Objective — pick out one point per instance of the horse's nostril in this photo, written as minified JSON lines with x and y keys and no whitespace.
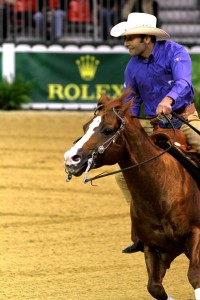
{"x":76,"y":158}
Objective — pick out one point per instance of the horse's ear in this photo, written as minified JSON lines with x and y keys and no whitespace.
{"x":101,"y":103}
{"x":103,"y":100}
{"x":119,"y":102}
{"x":127,"y":106}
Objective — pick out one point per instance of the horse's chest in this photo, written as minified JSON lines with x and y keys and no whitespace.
{"x":153,"y":228}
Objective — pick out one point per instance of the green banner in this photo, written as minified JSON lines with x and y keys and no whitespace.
{"x":73,"y":78}
{"x":80,"y":78}
{"x":195,"y":69}
{"x":1,"y":65}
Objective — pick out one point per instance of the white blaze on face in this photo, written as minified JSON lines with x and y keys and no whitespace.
{"x":73,"y":151}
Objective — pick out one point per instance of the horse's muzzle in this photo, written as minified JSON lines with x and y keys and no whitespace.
{"x":76,"y":164}
{"x":76,"y":170}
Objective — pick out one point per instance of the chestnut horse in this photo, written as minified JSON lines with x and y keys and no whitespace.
{"x":165,"y":208}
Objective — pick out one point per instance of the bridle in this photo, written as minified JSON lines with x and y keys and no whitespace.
{"x":112,"y":139}
{"x":101,"y":149}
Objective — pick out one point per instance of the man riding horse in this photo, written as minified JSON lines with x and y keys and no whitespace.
{"x":159,"y":72}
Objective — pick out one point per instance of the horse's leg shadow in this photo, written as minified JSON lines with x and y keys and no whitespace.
{"x":157,"y":263}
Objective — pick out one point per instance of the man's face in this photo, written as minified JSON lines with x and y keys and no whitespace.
{"x":135,"y":44}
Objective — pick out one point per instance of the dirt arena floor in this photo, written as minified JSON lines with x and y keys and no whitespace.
{"x":63,"y":241}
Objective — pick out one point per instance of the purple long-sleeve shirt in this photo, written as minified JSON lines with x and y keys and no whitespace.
{"x":167,"y":72}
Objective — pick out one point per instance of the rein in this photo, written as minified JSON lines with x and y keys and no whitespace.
{"x":184,"y":121}
{"x":102,"y":148}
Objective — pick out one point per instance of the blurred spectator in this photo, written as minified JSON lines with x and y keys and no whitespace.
{"x":6,"y":12}
{"x":23,"y":14}
{"x":49,"y":19}
{"x":109,"y":13}
{"x":80,"y":11}
{"x":144,"y":6}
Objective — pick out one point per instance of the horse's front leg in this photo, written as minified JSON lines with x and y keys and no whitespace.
{"x":157,"y":264}
{"x":194,"y":257}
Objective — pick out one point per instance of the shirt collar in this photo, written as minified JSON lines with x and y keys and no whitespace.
{"x":153,"y":56}
{"x":150,"y":59}
{"x":155,"y":51}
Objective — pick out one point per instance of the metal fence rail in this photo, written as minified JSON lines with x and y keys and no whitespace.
{"x":90,"y":21}
{"x":60,"y":21}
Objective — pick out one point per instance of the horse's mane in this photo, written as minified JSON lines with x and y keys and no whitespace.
{"x":108,"y":103}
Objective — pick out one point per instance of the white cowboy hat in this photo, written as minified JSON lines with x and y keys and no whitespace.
{"x":139,"y":23}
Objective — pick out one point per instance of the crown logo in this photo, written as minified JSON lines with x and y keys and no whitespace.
{"x":87,"y":66}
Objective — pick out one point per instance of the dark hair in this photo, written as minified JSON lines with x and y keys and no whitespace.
{"x":153,"y":37}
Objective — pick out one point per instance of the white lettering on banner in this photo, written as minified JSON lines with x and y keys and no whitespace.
{"x":82,"y":92}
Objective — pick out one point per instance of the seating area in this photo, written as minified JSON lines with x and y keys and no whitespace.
{"x":177,"y":4}
{"x":181,"y":19}
{"x":83,"y":21}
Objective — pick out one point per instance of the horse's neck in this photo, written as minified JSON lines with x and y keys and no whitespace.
{"x":139,"y":146}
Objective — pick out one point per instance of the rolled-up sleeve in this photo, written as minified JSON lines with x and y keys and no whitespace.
{"x":181,"y":66}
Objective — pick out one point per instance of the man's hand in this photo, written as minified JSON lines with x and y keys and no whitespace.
{"x":165,"y":106}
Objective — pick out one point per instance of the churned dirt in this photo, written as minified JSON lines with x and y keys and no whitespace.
{"x":63,"y":241}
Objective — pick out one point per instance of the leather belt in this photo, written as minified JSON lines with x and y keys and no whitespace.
{"x":186,"y":111}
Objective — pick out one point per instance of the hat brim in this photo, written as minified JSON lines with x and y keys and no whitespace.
{"x":121,"y":30}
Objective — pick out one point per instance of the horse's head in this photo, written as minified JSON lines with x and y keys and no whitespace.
{"x":102,"y":142}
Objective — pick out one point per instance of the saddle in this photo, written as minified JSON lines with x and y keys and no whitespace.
{"x":188,"y":157}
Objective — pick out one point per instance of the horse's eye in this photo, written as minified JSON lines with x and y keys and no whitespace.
{"x":107,"y":131}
